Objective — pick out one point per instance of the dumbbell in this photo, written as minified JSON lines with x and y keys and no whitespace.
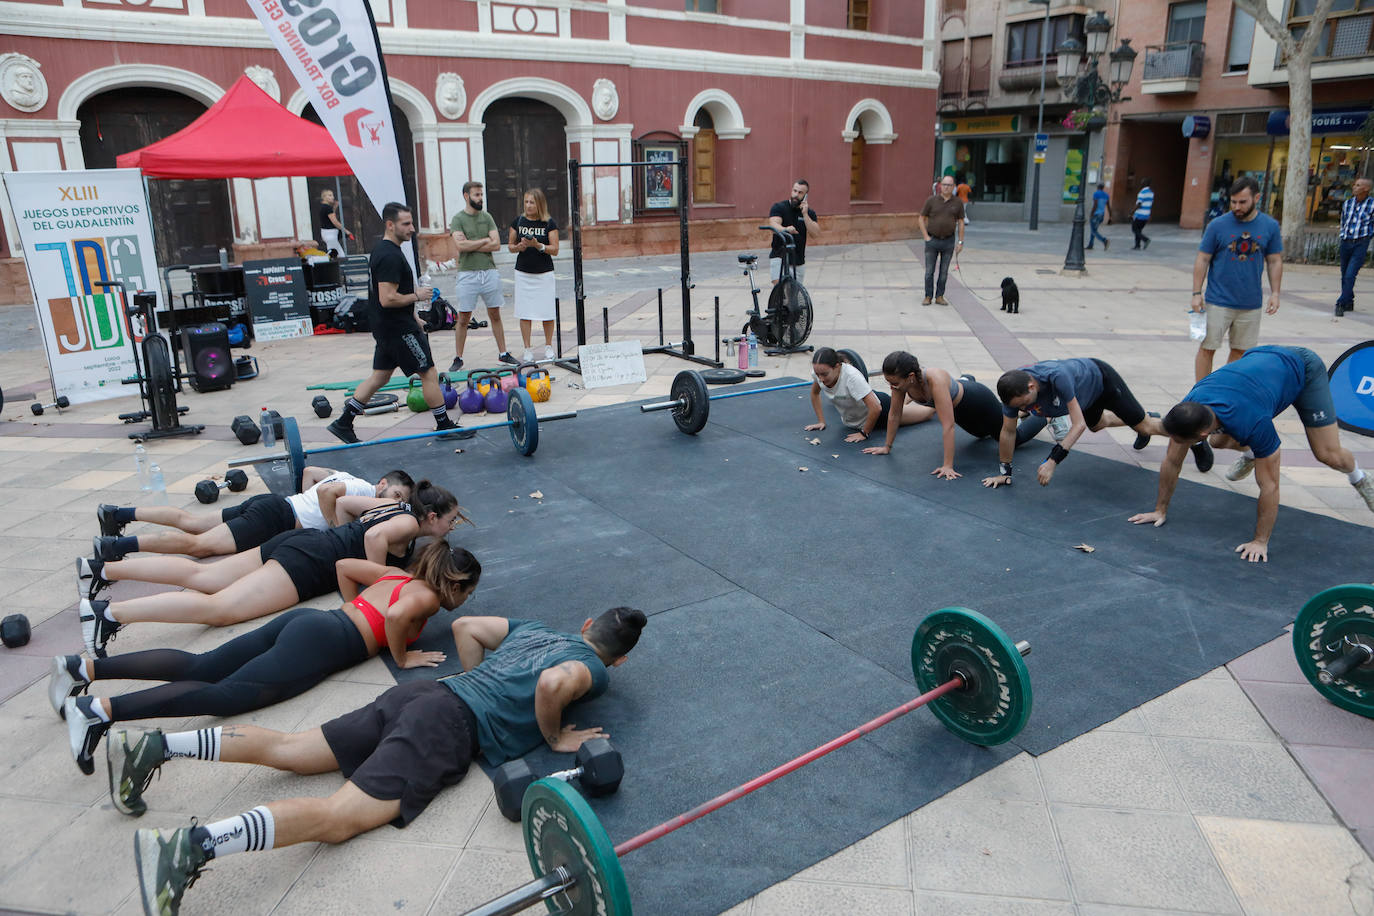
{"x":599,"y":771}
{"x":15,"y":632}
{"x":246,"y":430}
{"x":61,"y":403}
{"x":322,"y":406}
{"x":207,"y":491}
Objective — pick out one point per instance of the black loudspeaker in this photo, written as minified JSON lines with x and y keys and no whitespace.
{"x":205,"y":348}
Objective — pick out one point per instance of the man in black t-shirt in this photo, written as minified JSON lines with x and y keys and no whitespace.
{"x":400,"y":344}
{"x":794,"y":217}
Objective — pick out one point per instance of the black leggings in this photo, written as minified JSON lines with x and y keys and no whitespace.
{"x":277,"y":661}
{"x":979,"y":414}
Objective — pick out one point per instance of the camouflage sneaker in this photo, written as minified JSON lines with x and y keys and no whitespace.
{"x":131,"y":769}
{"x":1241,"y":469}
{"x":166,"y":868}
{"x":1366,"y":489}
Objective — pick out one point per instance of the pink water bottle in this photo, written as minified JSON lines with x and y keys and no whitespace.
{"x":743,"y":353}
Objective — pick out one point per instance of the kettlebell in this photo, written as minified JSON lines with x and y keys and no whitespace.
{"x":539,"y":385}
{"x":415,"y":398}
{"x":450,"y":393}
{"x":497,"y":399}
{"x":471,"y":400}
{"x":509,"y":379}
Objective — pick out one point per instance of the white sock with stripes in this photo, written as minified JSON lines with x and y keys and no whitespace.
{"x":253,"y":831}
{"x":202,"y":744}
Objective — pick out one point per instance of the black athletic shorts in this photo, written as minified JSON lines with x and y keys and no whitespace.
{"x":407,"y":350}
{"x":408,"y":744}
{"x":256,"y":519}
{"x":1115,"y":397}
{"x":307,"y":555}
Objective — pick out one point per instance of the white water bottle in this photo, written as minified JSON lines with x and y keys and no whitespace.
{"x":753,"y":351}
{"x":157,"y":485}
{"x":141,"y":465}
{"x":269,"y":436}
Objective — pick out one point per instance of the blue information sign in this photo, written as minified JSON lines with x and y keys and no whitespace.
{"x":1042,"y":143}
{"x":1352,"y":388}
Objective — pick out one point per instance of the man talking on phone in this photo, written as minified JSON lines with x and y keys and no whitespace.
{"x":795,"y":218}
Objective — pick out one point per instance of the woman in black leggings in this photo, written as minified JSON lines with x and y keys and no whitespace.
{"x":293,"y":566}
{"x":384,"y":610}
{"x":961,"y":401}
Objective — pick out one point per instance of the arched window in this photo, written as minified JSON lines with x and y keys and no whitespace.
{"x":704,"y":159}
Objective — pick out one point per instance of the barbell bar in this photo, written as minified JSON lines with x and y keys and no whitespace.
{"x":691,"y":404}
{"x":521,"y":419}
{"x":971,"y":675}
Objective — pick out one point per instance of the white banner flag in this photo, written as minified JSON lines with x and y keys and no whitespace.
{"x":332,"y":50}
{"x":78,"y":228}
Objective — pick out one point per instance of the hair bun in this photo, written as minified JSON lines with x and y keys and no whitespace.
{"x":423,"y":484}
{"x":633,"y":617}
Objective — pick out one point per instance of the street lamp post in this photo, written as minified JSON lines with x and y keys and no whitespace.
{"x":1088,"y":89}
{"x":1040,"y":114}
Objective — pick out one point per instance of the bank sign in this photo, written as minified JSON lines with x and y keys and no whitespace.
{"x":77,"y":229}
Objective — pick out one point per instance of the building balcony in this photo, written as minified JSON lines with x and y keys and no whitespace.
{"x":1172,"y":68}
{"x":1023,"y":78}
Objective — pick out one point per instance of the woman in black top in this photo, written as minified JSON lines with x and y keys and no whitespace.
{"x":534,"y":239}
{"x":293,"y":566}
{"x":330,"y":227}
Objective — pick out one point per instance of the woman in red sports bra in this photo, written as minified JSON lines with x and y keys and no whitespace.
{"x":277,"y":661}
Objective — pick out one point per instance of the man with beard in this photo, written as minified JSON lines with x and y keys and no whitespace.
{"x":797,"y":219}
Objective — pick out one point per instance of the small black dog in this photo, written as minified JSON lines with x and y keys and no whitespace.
{"x":1011,"y":296}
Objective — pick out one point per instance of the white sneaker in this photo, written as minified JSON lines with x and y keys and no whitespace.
{"x":1059,"y":427}
{"x":1242,"y":468}
{"x":1366,"y":489}
{"x":528,"y":356}
{"x":548,"y":351}
{"x":62,"y":684}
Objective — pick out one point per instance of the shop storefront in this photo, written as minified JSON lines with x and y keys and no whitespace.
{"x":993,"y":154}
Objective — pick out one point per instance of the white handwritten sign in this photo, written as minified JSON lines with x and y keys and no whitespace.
{"x":606,"y":364}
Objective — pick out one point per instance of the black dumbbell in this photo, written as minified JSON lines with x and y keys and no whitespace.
{"x":61,"y":403}
{"x":322,"y":406}
{"x":599,"y":771}
{"x":15,"y":631}
{"x":245,"y":430}
{"x":207,"y":491}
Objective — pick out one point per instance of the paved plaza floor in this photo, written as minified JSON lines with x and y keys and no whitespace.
{"x":1240,"y":792}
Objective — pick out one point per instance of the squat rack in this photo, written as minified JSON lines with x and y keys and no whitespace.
{"x":687,"y":348}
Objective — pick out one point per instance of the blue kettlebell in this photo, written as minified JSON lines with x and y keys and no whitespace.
{"x":449,"y":392}
{"x":471,"y":400}
{"x":497,"y":398}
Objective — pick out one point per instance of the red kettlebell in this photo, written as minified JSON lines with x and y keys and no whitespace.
{"x":510,"y":379}
{"x":471,"y":400}
{"x":497,"y":399}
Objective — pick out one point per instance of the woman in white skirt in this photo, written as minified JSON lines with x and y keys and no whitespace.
{"x":534,"y":239}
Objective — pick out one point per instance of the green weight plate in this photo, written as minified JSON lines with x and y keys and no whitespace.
{"x":690,"y":389}
{"x":1327,"y":619}
{"x":995,"y":703}
{"x":524,"y":425}
{"x":561,"y":829}
{"x":295,"y":454}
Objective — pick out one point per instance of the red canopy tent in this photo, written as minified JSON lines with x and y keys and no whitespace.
{"x":244,"y":135}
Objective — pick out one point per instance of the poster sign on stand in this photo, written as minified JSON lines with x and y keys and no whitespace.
{"x":277,"y":298}
{"x":78,"y":228}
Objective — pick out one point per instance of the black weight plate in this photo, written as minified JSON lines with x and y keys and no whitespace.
{"x":1325,"y":620}
{"x":995,"y":702}
{"x":381,"y":399}
{"x":690,"y":389}
{"x":855,"y":360}
{"x":524,"y":424}
{"x":295,"y":454}
{"x":755,"y":373}
{"x":561,"y":830}
{"x":722,"y":376}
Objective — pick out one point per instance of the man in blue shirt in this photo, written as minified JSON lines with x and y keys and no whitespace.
{"x":1357,"y":227}
{"x":1236,"y":249}
{"x":1087,"y":391}
{"x":397,"y":753}
{"x":1235,"y":407}
{"x":1144,"y":203}
{"x":1102,"y":210}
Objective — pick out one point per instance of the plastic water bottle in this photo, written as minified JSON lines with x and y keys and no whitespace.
{"x":268,"y":431}
{"x":1197,"y":325}
{"x":753,"y":351}
{"x":223,"y":259}
{"x":157,"y":485}
{"x":141,"y":466}
{"x":743,"y":352}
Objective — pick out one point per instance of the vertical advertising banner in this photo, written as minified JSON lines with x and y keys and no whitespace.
{"x":78,"y":228}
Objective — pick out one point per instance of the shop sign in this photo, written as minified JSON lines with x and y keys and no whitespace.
{"x":1323,"y":122}
{"x":1004,"y":124}
{"x":1197,"y":126}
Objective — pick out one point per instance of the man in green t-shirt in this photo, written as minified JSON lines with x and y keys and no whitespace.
{"x":475,"y":236}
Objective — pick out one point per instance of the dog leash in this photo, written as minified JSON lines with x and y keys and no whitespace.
{"x":968,"y":288}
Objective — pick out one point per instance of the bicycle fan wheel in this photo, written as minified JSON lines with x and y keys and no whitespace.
{"x":789,"y":306}
{"x":160,"y":383}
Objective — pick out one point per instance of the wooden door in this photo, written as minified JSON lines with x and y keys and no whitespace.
{"x":526,"y":147}
{"x":704,"y":166}
{"x":191,"y":219}
{"x":856,"y":167}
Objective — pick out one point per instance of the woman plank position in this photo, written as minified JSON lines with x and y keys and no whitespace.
{"x":860,"y":407}
{"x":279,"y":660}
{"x":245,"y":526}
{"x":502,"y":706}
{"x":291,"y":567}
{"x":961,"y":401}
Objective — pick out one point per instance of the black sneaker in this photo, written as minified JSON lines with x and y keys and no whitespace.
{"x":474,"y":324}
{"x":1147,"y":243}
{"x":103,"y":548}
{"x":1341,"y":310}
{"x":96,"y":629}
{"x":968,"y":377}
{"x":343,"y":430}
{"x":507,"y":358}
{"x":452,"y":430}
{"x":167,"y":867}
{"x":1143,"y":439}
{"x":456,"y":364}
{"x":131,"y":769}
{"x":1106,"y":243}
{"x":65,"y":680}
{"x":84,"y":730}
{"x":105,"y":515}
{"x":1202,"y":455}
